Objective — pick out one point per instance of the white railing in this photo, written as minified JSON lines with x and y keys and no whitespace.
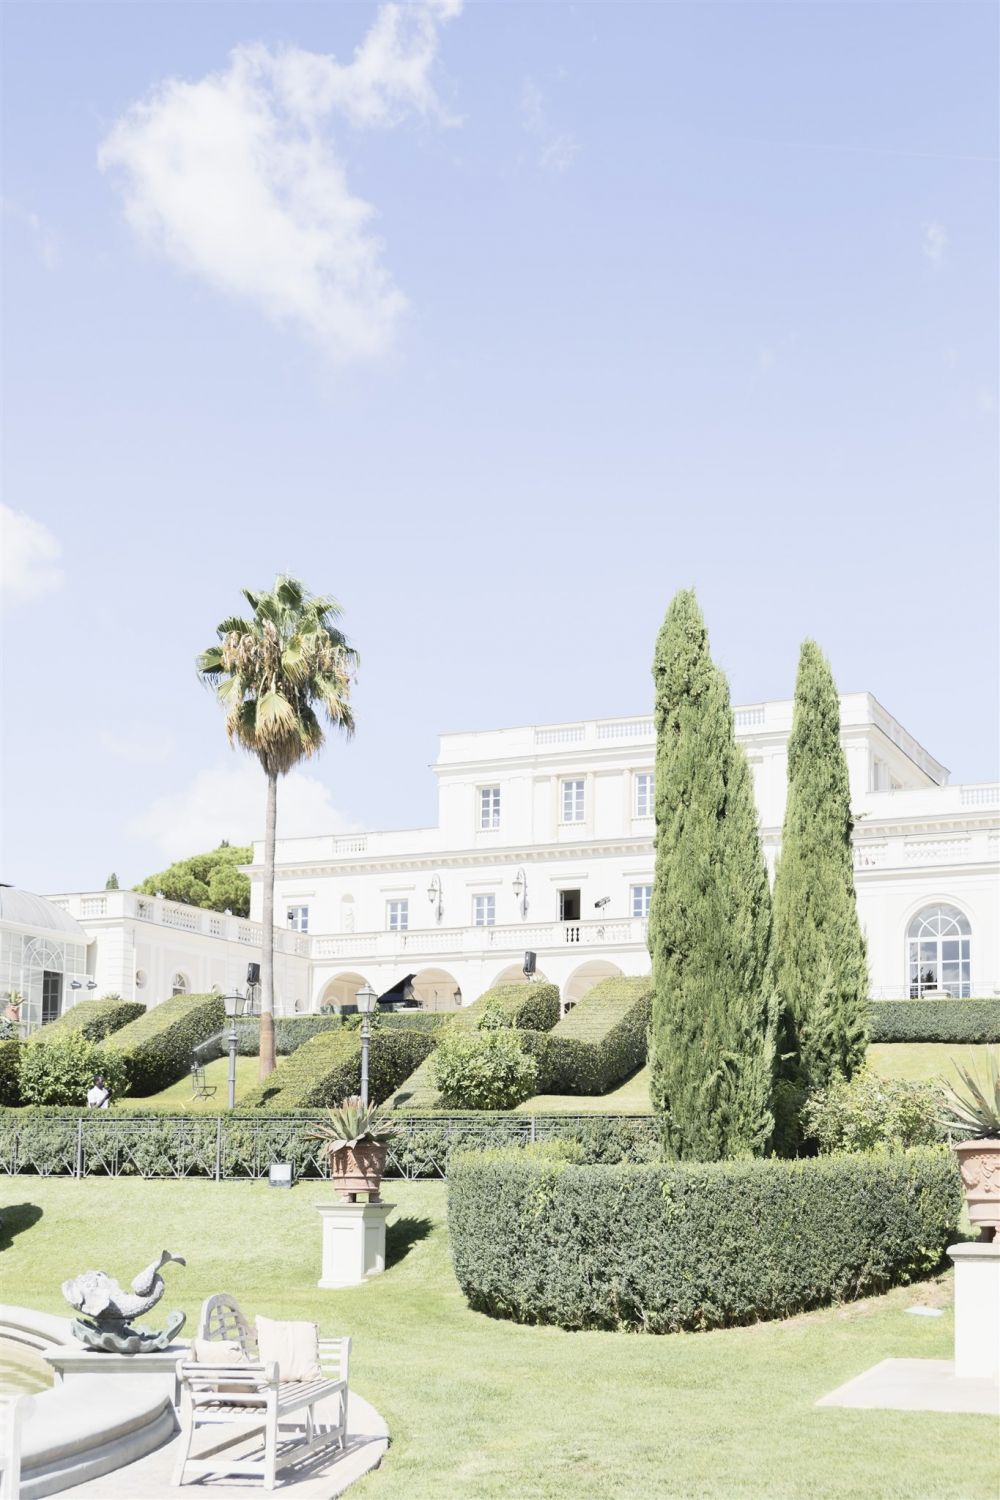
{"x":350,"y":843}
{"x":981,"y":796}
{"x":749,"y":718}
{"x":185,"y":917}
{"x":634,"y":729}
{"x":456,"y":941}
{"x":569,"y":734}
{"x":94,"y":906}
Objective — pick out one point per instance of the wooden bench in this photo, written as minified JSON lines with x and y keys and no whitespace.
{"x":253,"y":1397}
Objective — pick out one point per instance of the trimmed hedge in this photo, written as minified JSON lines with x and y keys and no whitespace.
{"x":10,"y":1091}
{"x":327,"y":1068}
{"x":529,"y":1007}
{"x":934,"y":1021}
{"x":291,"y":1031}
{"x":601,"y":1042}
{"x":158,"y":1045}
{"x":95,"y":1018}
{"x":539,"y":1239}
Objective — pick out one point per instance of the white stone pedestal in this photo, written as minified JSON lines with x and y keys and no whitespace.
{"x":155,"y":1370}
{"x":353,"y":1242}
{"x":977,"y":1310}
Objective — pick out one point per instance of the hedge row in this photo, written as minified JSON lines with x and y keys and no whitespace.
{"x":934,"y":1021}
{"x":327,"y":1068}
{"x":601,"y":1042}
{"x":156,"y":1144}
{"x":540,"y":1239}
{"x":159,"y":1044}
{"x":10,"y":1092}
{"x":96,"y":1019}
{"x":291,"y":1031}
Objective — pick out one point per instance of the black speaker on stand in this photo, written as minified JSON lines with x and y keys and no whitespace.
{"x":529,"y":965}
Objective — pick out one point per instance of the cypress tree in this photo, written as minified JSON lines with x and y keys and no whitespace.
{"x":818,"y":962}
{"x":712,"y":1036}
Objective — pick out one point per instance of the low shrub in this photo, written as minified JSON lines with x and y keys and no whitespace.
{"x":690,"y":1246}
{"x":61,"y":1068}
{"x":327,"y":1068}
{"x":934,"y":1021}
{"x":95,"y":1019}
{"x":870,"y":1113}
{"x":488,"y":1069}
{"x":10,"y":1092}
{"x":158,"y":1046}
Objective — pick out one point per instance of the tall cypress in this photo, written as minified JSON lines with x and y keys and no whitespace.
{"x":712,"y":1037}
{"x":818,"y":961}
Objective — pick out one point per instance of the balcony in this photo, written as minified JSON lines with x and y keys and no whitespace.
{"x":458,"y":942}
{"x":104,"y":906}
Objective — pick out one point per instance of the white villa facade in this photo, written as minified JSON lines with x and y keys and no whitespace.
{"x":544,"y":843}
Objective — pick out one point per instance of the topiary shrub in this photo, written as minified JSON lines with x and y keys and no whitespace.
{"x":692,"y":1245}
{"x":327,"y":1068}
{"x":934,"y":1021}
{"x":871,"y":1113}
{"x":60,"y":1069}
{"x":158,"y":1046}
{"x":95,"y":1019}
{"x":289,"y":1032}
{"x":489,"y":1069}
{"x":531,"y":1007}
{"x":10,"y":1092}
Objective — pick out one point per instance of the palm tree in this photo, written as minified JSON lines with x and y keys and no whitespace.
{"x":271,"y":673}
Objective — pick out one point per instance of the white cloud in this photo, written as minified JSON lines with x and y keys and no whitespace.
{"x":236,"y":179}
{"x":29,"y":558}
{"x":559,"y":148}
{"x":44,"y":240}
{"x":228,"y":803}
{"x":935,"y":243}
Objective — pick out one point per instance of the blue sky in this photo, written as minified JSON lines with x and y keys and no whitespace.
{"x":500,"y":331}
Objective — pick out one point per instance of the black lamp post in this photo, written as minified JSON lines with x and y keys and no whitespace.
{"x":234,"y":1003}
{"x":366,"y":1000}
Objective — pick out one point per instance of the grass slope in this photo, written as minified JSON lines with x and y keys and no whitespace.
{"x":927,"y":1062}
{"x":179,"y":1095}
{"x":488,"y":1410}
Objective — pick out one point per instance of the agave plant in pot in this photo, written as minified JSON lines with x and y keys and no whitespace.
{"x":356,"y":1136}
{"x":974,"y":1115}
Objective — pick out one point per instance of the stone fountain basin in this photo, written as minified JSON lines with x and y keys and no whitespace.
{"x":87,"y":1426}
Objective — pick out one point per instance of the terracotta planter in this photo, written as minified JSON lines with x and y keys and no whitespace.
{"x":358,"y":1169}
{"x":979,"y":1163}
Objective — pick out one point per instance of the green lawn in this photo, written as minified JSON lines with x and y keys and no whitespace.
{"x":926,"y":1062}
{"x":630,"y":1098}
{"x":179,"y":1095}
{"x":486,"y":1410}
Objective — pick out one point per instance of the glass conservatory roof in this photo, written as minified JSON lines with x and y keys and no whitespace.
{"x":22,"y":909}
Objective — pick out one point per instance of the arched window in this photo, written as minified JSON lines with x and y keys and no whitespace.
{"x":179,"y":984}
{"x":939,"y":952}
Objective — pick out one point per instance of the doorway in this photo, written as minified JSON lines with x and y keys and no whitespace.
{"x":51,"y":996}
{"x":569,"y":906}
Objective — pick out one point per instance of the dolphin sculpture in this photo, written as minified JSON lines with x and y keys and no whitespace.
{"x":99,"y":1298}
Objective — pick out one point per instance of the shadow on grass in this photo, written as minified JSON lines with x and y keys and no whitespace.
{"x":401,"y":1236}
{"x":14,"y":1219}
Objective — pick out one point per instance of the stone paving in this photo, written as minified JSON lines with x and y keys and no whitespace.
{"x":318,"y":1477}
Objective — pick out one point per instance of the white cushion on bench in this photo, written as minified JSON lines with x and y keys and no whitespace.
{"x":293,"y":1346}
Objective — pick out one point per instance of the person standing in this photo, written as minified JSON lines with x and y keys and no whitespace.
{"x":98,"y":1095}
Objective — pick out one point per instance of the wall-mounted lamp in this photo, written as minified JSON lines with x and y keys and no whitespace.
{"x":435,"y":896}
{"x":457,"y":996}
{"x":520,"y":883}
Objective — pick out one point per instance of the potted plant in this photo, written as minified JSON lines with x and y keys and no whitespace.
{"x":974,"y":1113}
{"x":356,"y":1137}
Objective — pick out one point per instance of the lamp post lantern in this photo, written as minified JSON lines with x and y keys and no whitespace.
{"x":367,"y":1000}
{"x":520,"y":884}
{"x":234,"y":1003}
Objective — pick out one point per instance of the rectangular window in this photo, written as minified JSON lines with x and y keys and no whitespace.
{"x":397,"y":915}
{"x":484,"y":910}
{"x":489,"y":807}
{"x":572,"y":801}
{"x":51,"y":996}
{"x":569,"y":906}
{"x":644,"y":794}
{"x":642,"y":895}
{"x":297,"y":918}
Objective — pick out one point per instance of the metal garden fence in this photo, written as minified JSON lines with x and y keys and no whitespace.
{"x":227,"y":1147}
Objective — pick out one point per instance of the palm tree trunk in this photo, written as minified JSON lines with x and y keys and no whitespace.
{"x":267,"y":937}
